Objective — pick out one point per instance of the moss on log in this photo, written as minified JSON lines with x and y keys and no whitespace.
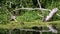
{"x":13,"y":24}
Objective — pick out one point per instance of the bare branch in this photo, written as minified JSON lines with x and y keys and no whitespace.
{"x":53,"y":12}
{"x":31,"y":9}
{"x":39,"y":4}
{"x":52,"y":29}
{"x":35,"y":30}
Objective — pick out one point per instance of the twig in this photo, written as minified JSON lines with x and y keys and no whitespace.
{"x":58,"y":15}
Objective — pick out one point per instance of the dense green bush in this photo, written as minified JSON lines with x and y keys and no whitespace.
{"x":4,"y":16}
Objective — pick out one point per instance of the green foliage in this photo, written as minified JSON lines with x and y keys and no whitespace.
{"x":28,"y":16}
{"x":4,"y":16}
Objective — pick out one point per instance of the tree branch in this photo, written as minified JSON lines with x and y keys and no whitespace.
{"x":31,"y":9}
{"x":52,"y":29}
{"x":51,"y":14}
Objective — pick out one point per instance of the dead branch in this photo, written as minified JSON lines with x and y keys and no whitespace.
{"x":52,"y":29}
{"x":31,"y":9}
{"x":35,"y":30}
{"x":39,"y":4}
{"x":51,"y":14}
{"x":47,"y":18}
